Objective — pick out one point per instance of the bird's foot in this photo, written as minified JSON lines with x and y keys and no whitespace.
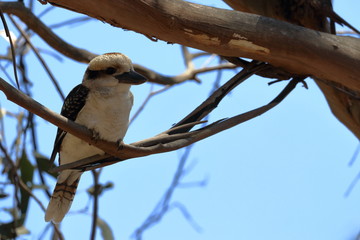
{"x":120,"y":144}
{"x":95,"y":135}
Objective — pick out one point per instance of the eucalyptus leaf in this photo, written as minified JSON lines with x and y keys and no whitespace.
{"x":106,"y":231}
{"x":3,"y":195}
{"x":44,"y":164}
{"x":12,"y":229}
{"x":102,"y":188}
{"x":27,"y":173}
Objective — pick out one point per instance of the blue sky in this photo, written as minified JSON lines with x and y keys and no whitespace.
{"x":280,"y":176}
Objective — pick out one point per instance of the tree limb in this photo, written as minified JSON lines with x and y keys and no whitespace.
{"x":344,"y":102}
{"x":84,"y":56}
{"x":231,"y":33}
{"x":164,"y":142}
{"x":291,"y":49}
{"x":18,"y":9}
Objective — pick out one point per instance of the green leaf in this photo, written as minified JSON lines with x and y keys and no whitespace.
{"x":3,"y":195}
{"x":21,"y":230}
{"x":26,"y":169}
{"x":7,"y":231}
{"x":26,"y":174}
{"x":106,"y":231}
{"x":44,"y":165}
{"x":12,"y":229}
{"x":102,"y":188}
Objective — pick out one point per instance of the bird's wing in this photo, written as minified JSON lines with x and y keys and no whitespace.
{"x":73,"y":104}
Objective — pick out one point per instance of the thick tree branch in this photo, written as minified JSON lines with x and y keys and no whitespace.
{"x":344,"y":102}
{"x":81,"y":55}
{"x":333,"y":60}
{"x":165,"y":142}
{"x":230,"y":33}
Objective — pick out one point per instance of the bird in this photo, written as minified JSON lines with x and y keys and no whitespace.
{"x":102,"y":103}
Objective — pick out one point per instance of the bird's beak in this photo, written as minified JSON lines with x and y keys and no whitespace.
{"x":131,"y":77}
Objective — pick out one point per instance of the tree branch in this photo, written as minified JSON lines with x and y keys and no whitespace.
{"x":25,"y":15}
{"x":81,"y":55}
{"x":290,"y":49}
{"x":42,"y":61}
{"x":164,"y":142}
{"x":343,"y":101}
{"x":96,"y":175}
{"x":231,"y":33}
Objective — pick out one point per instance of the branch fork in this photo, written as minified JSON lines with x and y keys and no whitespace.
{"x":179,"y":136}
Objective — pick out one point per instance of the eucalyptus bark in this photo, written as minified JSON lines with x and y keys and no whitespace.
{"x":298,"y":50}
{"x":231,"y":33}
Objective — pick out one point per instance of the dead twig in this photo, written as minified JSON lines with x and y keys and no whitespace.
{"x":155,"y":77}
{"x":42,"y":61}
{"x":160,"y":143}
{"x":175,"y":140}
{"x":165,"y":203}
{"x":84,"y":56}
{"x":72,"y":21}
{"x":147,"y":99}
{"x":18,"y":182}
{"x":33,"y":22}
{"x":11,"y":47}
{"x":96,"y":175}
{"x":212,"y":102}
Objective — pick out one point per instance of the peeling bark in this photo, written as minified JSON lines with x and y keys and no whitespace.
{"x":230,"y":33}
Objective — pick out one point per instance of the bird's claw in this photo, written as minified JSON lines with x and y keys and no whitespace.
{"x":120,"y":144}
{"x":95,"y":135}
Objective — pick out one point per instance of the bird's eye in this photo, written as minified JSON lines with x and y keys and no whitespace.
{"x":110,"y":70}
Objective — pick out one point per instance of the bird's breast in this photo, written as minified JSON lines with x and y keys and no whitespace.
{"x":108,"y":116}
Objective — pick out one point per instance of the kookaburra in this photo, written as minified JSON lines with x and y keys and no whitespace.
{"x":102,"y":103}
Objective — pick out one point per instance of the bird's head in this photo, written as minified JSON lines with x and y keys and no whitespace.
{"x":111,"y":70}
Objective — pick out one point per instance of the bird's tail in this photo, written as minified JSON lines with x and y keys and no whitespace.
{"x":62,"y":196}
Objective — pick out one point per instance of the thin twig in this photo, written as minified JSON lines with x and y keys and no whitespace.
{"x":71,"y":21}
{"x":147,"y":99}
{"x":159,"y":144}
{"x":270,"y":72}
{"x":354,"y":156}
{"x":18,"y":182}
{"x":347,"y":32}
{"x":212,"y":102}
{"x":12,"y":171}
{"x":187,"y":57}
{"x":96,"y":175}
{"x":11,"y":46}
{"x":42,"y":61}
{"x":186,"y":214}
{"x":33,"y":22}
{"x":84,"y":56}
{"x":164,"y":204}
{"x":188,"y":74}
{"x":352,"y":185}
{"x":7,"y":75}
{"x":179,"y":140}
{"x":46,"y":11}
{"x":357,"y":177}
